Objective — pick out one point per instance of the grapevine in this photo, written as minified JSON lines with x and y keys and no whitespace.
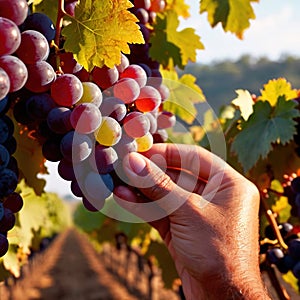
{"x":84,"y":93}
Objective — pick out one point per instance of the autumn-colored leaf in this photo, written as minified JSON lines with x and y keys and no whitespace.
{"x":179,"y":6}
{"x":276,"y":88}
{"x":244,"y":102}
{"x":100,"y":31}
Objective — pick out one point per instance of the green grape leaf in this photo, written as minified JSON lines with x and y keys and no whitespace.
{"x":234,"y":15}
{"x":276,"y":88}
{"x":30,"y":158}
{"x":184,"y":93}
{"x":11,"y":261}
{"x":167,"y":43}
{"x":100,"y":31}
{"x":265,"y":127}
{"x":32,"y":217}
{"x":244,"y":102}
{"x":179,"y":6}
{"x":49,"y":7}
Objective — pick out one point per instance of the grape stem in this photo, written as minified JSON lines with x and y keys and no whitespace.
{"x":60,"y":14}
{"x":272,"y":221}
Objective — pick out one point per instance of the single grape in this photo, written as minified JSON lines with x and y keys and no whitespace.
{"x":285,"y":228}
{"x":91,"y":94}
{"x":136,"y":124}
{"x":105,"y":77}
{"x":103,"y":159}
{"x":164,"y":92}
{"x":86,"y":118}
{"x":113,"y":107}
{"x":11,"y":145}
{"x":4,"y":157}
{"x":165,"y":119}
{"x":76,"y":147}
{"x":109,"y":132}
{"x":4,"y":84}
{"x":14,"y":202}
{"x":142,"y":15}
{"x":68,"y":64}
{"x":90,"y":207}
{"x":157,"y":5}
{"x":126,"y":89}
{"x":41,"y":23}
{"x":8,"y":220}
{"x":34,"y":47}
{"x":296,"y":270}
{"x":10,"y":37}
{"x":294,"y":248}
{"x":124,"y":63}
{"x":3,"y":245}
{"x":144,"y":143}
{"x":16,"y":71}
{"x":15,"y":10}
{"x":145,"y":4}
{"x":76,"y":190}
{"x":41,"y":76}
{"x":295,"y":185}
{"x":70,"y":7}
{"x":4,"y":131}
{"x":39,"y":105}
{"x":58,"y":120}
{"x":135,"y":72}
{"x":65,"y":170}
{"x":98,"y":186}
{"x":51,"y":149}
{"x":126,"y":145}
{"x":4,"y":105}
{"x":153,"y":122}
{"x":148,"y":100}
{"x":13,"y":166}
{"x":274,"y":255}
{"x":66,"y":90}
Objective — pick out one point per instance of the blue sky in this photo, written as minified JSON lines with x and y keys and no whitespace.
{"x":274,"y":32}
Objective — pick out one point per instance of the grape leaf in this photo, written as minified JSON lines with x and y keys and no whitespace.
{"x":100,"y":31}
{"x":168,"y":43}
{"x":291,"y":279}
{"x":179,"y":6}
{"x":264,"y":127}
{"x":183,"y":94}
{"x":11,"y":262}
{"x":245,"y":103}
{"x":275,"y":88}
{"x":234,"y":15}
{"x":30,"y":158}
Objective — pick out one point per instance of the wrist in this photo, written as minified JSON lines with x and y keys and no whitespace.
{"x":243,"y":287}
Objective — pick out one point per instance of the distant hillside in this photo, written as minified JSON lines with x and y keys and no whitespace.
{"x":220,"y":80}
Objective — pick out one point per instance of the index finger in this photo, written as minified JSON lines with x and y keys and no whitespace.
{"x":194,"y":159}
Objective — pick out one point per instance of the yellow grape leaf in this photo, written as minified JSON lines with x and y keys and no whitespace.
{"x":179,"y":6}
{"x":245,"y":103}
{"x":183,"y":94}
{"x":276,"y":88}
{"x":234,"y":15}
{"x":291,"y":279}
{"x":100,"y":31}
{"x":48,"y":7}
{"x":11,"y":262}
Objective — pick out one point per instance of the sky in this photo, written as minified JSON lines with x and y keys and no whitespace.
{"x":274,"y":33}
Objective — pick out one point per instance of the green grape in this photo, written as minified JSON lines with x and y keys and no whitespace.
{"x":144,"y":143}
{"x":109,"y":132}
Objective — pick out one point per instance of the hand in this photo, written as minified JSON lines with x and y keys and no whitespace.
{"x":208,"y":218}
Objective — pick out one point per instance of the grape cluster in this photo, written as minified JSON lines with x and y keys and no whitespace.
{"x":285,"y":260}
{"x":86,"y":121}
{"x":292,"y":192}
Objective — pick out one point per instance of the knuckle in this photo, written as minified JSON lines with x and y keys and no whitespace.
{"x":162,"y":185}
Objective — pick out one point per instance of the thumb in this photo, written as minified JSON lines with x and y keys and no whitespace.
{"x":153,"y":182}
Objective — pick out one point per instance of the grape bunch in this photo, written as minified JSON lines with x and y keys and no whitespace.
{"x":284,"y":259}
{"x":13,"y":76}
{"x":86,"y":121}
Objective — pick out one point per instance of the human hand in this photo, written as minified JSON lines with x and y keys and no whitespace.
{"x":207,"y":214}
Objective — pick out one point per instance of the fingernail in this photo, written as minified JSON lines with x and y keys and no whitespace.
{"x":136,"y":163}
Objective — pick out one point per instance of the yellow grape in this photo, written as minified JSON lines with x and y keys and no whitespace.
{"x":109,"y":132}
{"x":144,"y":143}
